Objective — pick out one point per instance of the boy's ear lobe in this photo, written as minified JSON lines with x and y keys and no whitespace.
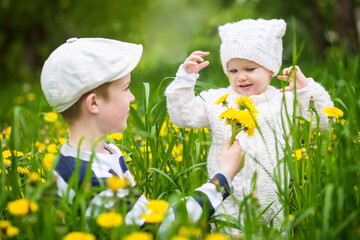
{"x":91,"y":103}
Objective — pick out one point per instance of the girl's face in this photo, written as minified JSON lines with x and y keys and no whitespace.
{"x":247,"y":77}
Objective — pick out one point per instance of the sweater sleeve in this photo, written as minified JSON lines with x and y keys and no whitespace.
{"x":185,"y":109}
{"x":321,"y":100}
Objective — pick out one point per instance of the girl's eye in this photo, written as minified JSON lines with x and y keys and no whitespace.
{"x":233,"y":70}
{"x":250,"y":69}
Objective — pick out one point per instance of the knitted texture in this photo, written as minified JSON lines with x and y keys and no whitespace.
{"x":259,"y":41}
{"x":262,"y":152}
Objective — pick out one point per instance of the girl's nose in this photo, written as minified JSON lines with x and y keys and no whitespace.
{"x":242,"y":77}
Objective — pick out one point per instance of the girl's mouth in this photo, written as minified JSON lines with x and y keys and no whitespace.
{"x":245,"y":86}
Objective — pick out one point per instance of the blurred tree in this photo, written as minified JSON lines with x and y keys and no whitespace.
{"x":29,"y":31}
{"x":325,"y":21}
{"x":345,"y":24}
{"x":169,"y":29}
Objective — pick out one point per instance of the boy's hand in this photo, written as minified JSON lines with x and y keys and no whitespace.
{"x":301,"y":80}
{"x":191,"y":64}
{"x":231,"y":159}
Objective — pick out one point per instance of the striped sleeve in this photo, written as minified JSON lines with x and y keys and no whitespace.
{"x":210,"y":195}
{"x":205,"y":199}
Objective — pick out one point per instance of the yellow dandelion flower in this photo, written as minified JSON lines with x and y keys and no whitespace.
{"x":245,"y":103}
{"x":79,"y":236}
{"x":4,"y":224}
{"x":115,"y":183}
{"x":40,"y":146}
{"x":22,"y":170}
{"x":62,"y":141}
{"x":157,"y":210}
{"x":299,"y":153}
{"x":34,"y":177}
{"x":7,"y":154}
{"x":230,"y":113}
{"x":19,"y":207}
{"x":109,"y":220}
{"x":291,"y":217}
{"x":250,"y":131}
{"x":177,"y":129}
{"x":164,"y":130}
{"x":48,"y":161}
{"x":51,"y":117}
{"x":356,"y":188}
{"x":216,"y":236}
{"x":301,"y":122}
{"x":333,"y":112}
{"x":115,"y":136}
{"x":31,"y":96}
{"x":7,"y":132}
{"x":189,"y":231}
{"x":128,"y":159}
{"x":222,"y":99}
{"x":52,"y":148}
{"x":177,"y":150}
{"x":12,"y":231}
{"x":248,"y":119}
{"x":179,"y":158}
{"x":139,"y":236}
{"x":34,"y":207}
{"x":7,"y":161}
{"x":135,"y":106}
{"x":167,"y":168}
{"x":341,"y":121}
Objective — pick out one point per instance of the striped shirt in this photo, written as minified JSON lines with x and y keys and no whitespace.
{"x":105,"y":166}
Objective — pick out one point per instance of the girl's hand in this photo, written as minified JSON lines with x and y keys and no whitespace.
{"x":301,"y":80}
{"x":191,"y":64}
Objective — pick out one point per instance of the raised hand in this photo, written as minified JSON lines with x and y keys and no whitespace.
{"x":191,"y":64}
{"x":289,"y":76}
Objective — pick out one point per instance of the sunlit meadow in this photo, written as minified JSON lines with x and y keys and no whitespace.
{"x":322,"y":200}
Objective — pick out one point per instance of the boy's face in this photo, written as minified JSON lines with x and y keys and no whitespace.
{"x":247,"y":77}
{"x":115,"y":110}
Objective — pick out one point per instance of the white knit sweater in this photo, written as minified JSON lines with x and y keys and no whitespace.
{"x":189,"y":111}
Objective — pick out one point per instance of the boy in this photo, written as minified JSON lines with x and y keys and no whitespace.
{"x":87,"y":80}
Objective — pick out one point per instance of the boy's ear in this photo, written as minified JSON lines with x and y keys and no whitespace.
{"x":91,"y":103}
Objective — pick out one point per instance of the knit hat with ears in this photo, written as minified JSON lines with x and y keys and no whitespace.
{"x":256,"y":40}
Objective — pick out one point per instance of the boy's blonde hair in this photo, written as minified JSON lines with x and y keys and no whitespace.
{"x":73,"y":113}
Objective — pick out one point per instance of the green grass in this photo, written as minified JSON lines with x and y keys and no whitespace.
{"x":321,"y":201}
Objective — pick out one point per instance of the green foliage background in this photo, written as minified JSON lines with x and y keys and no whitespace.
{"x":323,"y":197}
{"x":168,"y":29}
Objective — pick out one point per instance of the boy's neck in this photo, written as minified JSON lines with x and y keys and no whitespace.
{"x":90,"y":139}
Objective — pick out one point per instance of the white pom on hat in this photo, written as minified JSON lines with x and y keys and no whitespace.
{"x":82,"y":64}
{"x":258,"y":40}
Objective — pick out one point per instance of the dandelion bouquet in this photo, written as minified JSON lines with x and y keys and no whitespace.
{"x":244,"y":118}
